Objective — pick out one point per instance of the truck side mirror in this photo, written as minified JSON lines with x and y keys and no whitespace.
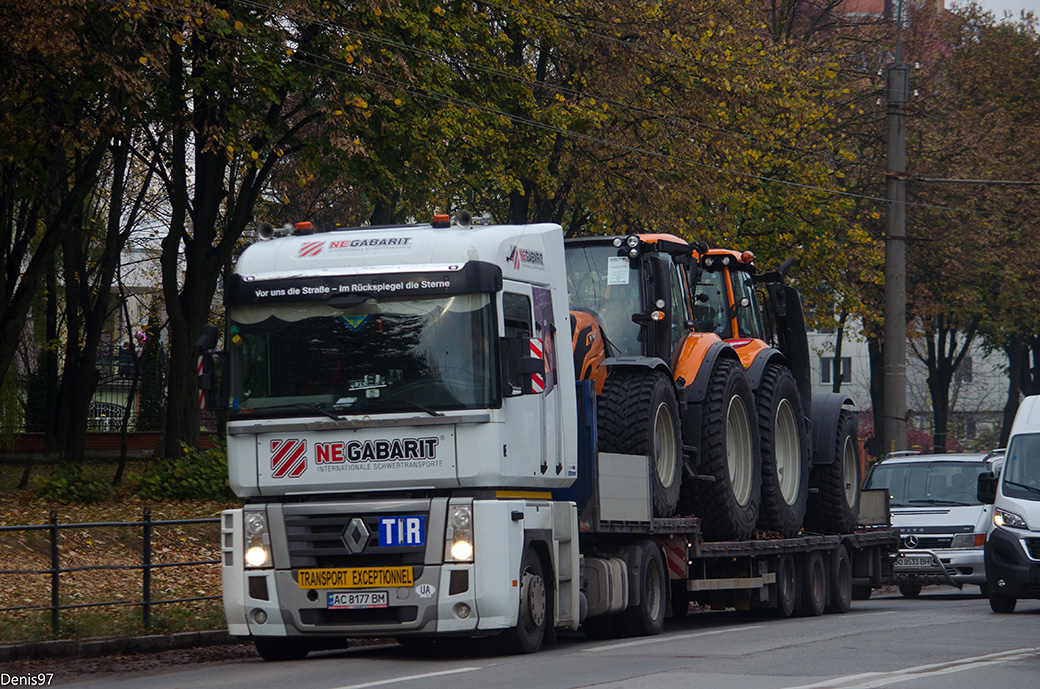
{"x":987,"y":488}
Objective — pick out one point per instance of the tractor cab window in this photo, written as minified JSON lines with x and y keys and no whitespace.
{"x":709,"y":304}
{"x":606,"y":285}
{"x":749,"y":318}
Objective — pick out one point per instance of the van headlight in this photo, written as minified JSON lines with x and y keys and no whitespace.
{"x":257,"y":541}
{"x":458,"y":546}
{"x":1010,"y":519}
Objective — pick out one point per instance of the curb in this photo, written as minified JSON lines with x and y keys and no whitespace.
{"x":93,"y":648}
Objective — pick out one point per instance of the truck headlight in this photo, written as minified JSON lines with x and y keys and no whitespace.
{"x":1005,"y":518}
{"x":458,"y":546}
{"x":257,"y":542}
{"x":968,"y":540}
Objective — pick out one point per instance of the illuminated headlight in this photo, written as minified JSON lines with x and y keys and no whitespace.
{"x":257,"y":543}
{"x":458,"y":545}
{"x":968,"y":540}
{"x":1005,"y":518}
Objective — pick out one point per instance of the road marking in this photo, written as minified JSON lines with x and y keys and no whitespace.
{"x":408,"y":678}
{"x":665,"y":639}
{"x":870,"y":680}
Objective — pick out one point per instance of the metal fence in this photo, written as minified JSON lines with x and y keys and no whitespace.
{"x":56,"y":570}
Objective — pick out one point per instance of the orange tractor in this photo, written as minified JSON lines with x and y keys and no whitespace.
{"x":664,"y":389}
{"x":810,"y":468}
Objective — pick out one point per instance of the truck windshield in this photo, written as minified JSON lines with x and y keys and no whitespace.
{"x":928,"y":483}
{"x":1022,"y":467}
{"x":380,"y":356}
{"x":606,"y":285}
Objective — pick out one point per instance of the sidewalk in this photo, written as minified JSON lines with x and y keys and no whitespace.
{"x":93,"y":648}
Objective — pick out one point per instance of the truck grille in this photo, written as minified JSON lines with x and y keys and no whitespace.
{"x":929,"y":542}
{"x":321,"y":540}
{"x":1033,"y":548}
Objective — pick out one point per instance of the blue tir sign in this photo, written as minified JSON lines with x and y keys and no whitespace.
{"x":395,"y":531}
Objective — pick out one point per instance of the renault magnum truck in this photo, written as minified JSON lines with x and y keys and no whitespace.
{"x":417,"y":460}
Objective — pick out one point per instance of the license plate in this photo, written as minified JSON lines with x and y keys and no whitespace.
{"x":914,"y":563}
{"x":354,"y":577}
{"x":349,"y":600}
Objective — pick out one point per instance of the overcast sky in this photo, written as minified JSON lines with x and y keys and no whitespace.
{"x":997,"y":7}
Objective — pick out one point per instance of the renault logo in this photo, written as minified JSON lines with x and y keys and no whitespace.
{"x":910,"y":541}
{"x":355,"y":536}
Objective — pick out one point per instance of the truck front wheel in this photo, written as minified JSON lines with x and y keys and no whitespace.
{"x":527,"y":635}
{"x":278,"y":649}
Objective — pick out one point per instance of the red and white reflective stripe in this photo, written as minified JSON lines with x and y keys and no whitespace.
{"x":202,"y":393}
{"x":676,"y":555}
{"x":537,"y":352}
{"x":288,"y":458}
{"x":311,"y":249}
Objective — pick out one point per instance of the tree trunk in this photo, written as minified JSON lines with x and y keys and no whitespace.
{"x":1018,"y":363}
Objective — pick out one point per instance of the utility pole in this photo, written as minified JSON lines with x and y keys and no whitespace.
{"x":893,"y":387}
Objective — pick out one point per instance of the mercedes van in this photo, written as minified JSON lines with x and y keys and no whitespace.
{"x":933,"y":502}
{"x":1012,"y":549}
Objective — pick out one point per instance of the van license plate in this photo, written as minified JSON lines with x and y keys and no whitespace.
{"x":914,"y":563}
{"x":353,"y":600}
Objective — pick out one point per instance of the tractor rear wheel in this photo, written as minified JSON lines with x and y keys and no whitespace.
{"x":639,"y":415}
{"x":785,"y":453}
{"x":833,"y":505}
{"x":727,"y":497}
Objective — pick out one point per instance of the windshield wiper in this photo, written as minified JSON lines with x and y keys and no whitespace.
{"x":935,"y":501}
{"x":312,"y":407}
{"x":1016,"y":484}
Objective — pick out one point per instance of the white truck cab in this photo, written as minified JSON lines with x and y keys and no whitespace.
{"x":1013,"y":543}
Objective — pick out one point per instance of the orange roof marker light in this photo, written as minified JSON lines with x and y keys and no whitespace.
{"x":441,"y":220}
{"x":304,"y":227}
{"x":747,"y":257}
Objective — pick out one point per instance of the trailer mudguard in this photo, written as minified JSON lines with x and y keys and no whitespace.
{"x":826,"y":410}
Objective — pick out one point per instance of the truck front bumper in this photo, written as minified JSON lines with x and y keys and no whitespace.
{"x":1013,"y":563}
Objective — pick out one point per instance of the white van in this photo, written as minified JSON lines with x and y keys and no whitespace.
{"x":1013,"y":543}
{"x":942,"y":525}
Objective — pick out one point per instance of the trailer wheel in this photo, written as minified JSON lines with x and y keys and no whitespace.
{"x":833,"y":505}
{"x":998,"y":602}
{"x":840,"y":576}
{"x":527,"y":635}
{"x":279,"y":649}
{"x":728,"y":502}
{"x":647,"y":618}
{"x":814,"y":585}
{"x":639,"y":415}
{"x":785,"y":452}
{"x":786,"y":585}
{"x":910,"y":590}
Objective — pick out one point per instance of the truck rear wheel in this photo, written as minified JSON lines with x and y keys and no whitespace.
{"x":786,"y":585}
{"x":531,"y":622}
{"x":785,"y":453}
{"x":833,"y":504}
{"x":727,"y":503}
{"x":638,"y":414}
{"x":840,"y":575}
{"x":647,"y":618}
{"x":814,"y":585}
